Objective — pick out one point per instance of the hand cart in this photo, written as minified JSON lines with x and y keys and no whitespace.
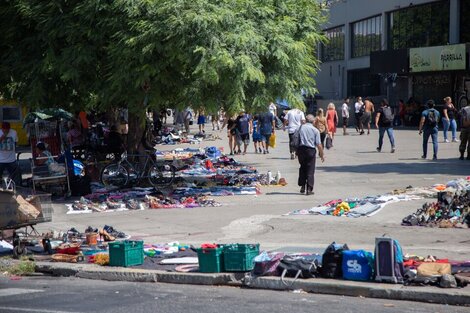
{"x":21,"y":210}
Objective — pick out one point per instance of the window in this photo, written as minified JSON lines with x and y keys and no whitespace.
{"x":419,"y":26}
{"x":10,"y":114}
{"x":366,"y":36}
{"x":464,"y":24}
{"x":333,"y":50}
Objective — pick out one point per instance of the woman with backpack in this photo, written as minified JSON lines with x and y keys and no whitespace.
{"x":448,"y":119}
{"x":384,"y":122}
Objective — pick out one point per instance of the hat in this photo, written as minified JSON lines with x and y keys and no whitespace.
{"x":41,"y":146}
{"x":6,"y":125}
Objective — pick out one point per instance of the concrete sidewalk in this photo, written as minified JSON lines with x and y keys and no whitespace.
{"x":314,"y":285}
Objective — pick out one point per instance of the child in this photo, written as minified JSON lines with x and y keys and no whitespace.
{"x":256,"y":134}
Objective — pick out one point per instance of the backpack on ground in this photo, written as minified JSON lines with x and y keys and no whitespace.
{"x":332,"y":260}
{"x":295,"y":142}
{"x":431,"y":118}
{"x":357,"y":265}
{"x":388,"y":261}
{"x":387,"y":117}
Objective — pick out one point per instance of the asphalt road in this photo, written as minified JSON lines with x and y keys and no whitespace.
{"x":353,"y":168}
{"x":73,"y":295}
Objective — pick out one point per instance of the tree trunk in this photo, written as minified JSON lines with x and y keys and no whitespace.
{"x":136,"y":131}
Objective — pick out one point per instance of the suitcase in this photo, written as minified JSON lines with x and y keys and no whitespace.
{"x":388,"y":261}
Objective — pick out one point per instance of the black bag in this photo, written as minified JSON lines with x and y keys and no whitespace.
{"x":332,"y":261}
{"x":329,"y":142}
{"x":295,"y":142}
{"x":387,"y":115}
{"x":298,"y":266}
{"x":362,"y":109}
{"x":431,"y":118}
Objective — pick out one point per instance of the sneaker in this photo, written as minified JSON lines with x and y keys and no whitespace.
{"x":455,"y":140}
{"x":259,"y":149}
{"x":423,"y":157}
{"x":446,"y":140}
{"x":264,"y":152}
{"x":378,"y":149}
{"x":292,"y":156}
{"x":461,"y":157}
{"x":302,"y":189}
{"x":434,"y":157}
{"x":393,"y":150}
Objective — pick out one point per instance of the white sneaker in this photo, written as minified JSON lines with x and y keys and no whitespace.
{"x":455,"y":140}
{"x":447,"y":140}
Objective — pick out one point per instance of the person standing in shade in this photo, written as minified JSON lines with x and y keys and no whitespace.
{"x":8,"y":141}
{"x":256,"y":135}
{"x":367,"y":116}
{"x":358,"y":111}
{"x":345,"y":115}
{"x":448,"y":119}
{"x":309,"y":143}
{"x":267,"y":128}
{"x":465,"y":131}
{"x":273,"y":109}
{"x":293,"y":119}
{"x":428,"y":127}
{"x":244,"y":129}
{"x":384,"y":122}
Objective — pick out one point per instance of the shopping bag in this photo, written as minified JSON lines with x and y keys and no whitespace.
{"x":329,"y":142}
{"x":272,"y":141}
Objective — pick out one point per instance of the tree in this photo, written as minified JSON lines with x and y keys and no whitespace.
{"x":208,"y":53}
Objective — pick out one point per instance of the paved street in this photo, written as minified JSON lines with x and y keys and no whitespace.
{"x":73,"y":295}
{"x":352,"y":168}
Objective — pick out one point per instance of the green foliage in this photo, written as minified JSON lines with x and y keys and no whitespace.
{"x":207,"y":53}
{"x":23,"y":267}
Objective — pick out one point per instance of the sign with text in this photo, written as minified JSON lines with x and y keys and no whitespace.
{"x":440,"y":58}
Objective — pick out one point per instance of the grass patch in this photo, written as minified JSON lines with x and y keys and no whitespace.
{"x":21,"y":268}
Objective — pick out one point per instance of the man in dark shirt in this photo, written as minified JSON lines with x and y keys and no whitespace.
{"x":384,"y":122}
{"x":244,"y":127}
{"x":267,"y":126}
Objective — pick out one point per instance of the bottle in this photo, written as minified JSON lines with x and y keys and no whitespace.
{"x":270,"y":177}
{"x":277,"y":177}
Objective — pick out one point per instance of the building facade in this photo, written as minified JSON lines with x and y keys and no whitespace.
{"x":413,"y":50}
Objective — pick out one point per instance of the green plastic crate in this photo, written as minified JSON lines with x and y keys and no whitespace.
{"x":126,"y":253}
{"x":240,"y":257}
{"x":210,"y":260}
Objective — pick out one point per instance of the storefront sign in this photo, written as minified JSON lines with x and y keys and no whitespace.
{"x":440,"y":58}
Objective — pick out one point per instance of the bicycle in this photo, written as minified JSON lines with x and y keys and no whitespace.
{"x":123,"y":172}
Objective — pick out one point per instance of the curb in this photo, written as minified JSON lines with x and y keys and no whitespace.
{"x":314,"y":285}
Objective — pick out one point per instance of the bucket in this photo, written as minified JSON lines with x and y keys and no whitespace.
{"x":92,"y":239}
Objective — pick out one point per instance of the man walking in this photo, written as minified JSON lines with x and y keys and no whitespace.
{"x":367,"y":116}
{"x":384,"y":122}
{"x":293,"y":119}
{"x":8,"y":141}
{"x":244,"y":127}
{"x":309,"y":143}
{"x":428,"y":126}
{"x":267,"y":126}
{"x":345,"y":115}
{"x":358,"y":111}
{"x":465,"y":131}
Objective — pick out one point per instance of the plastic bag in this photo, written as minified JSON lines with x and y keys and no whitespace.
{"x":272,"y":141}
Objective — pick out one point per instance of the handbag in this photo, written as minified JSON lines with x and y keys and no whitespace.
{"x":272,"y":141}
{"x":329,"y":142}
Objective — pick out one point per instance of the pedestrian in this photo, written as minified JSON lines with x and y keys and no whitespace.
{"x":331,"y":120}
{"x":345,"y":115}
{"x":256,"y":135}
{"x":321,"y":125}
{"x":309,"y":144}
{"x":384,"y":122}
{"x":243,"y":131}
{"x":448,"y":119}
{"x":428,"y":127}
{"x":267,"y":125}
{"x":367,"y":115}
{"x":464,"y":131}
{"x":358,"y":111}
{"x":74,"y":136}
{"x":273,"y":109}
{"x":293,"y":119}
{"x":8,"y":141}
{"x":188,"y":119}
{"x":215,"y":121}
{"x":201,"y":121}
{"x":231,"y":132}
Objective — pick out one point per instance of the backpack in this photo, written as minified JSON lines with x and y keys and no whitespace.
{"x":387,"y":116}
{"x":431,"y":118}
{"x":295,"y":142}
{"x":299,"y":266}
{"x":465,"y":117}
{"x":332,"y":261}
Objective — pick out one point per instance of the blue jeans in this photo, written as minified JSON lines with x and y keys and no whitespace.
{"x":452,"y":124}
{"x":433,"y":132}
{"x":389,"y":131}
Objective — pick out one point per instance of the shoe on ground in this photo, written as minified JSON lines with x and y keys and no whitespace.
{"x":309,"y":192}
{"x":264,"y":152}
{"x":292,"y":156}
{"x":302,"y":189}
{"x":434,"y":157}
{"x":378,"y":149}
{"x":393,"y":150}
{"x":461,"y":157}
{"x":423,"y":157}
{"x":446,"y":140}
{"x":259,"y":149}
{"x":455,"y":140}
